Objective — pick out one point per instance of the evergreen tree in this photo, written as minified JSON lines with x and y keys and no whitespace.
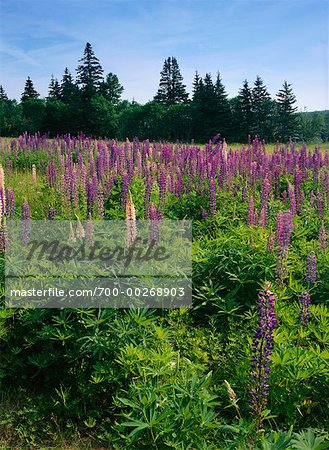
{"x":111,"y":88}
{"x":204,"y":108}
{"x":171,"y":90}
{"x":3,"y":95}
{"x":54,"y":90}
{"x":262,"y":109}
{"x":244,"y":110}
{"x":90,"y":73}
{"x":69,"y":90}
{"x":197,"y":85}
{"x":286,"y":112}
{"x":223,"y":117}
{"x":29,"y":91}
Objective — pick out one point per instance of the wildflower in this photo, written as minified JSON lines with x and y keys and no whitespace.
{"x":10,"y":203}
{"x":51,"y":214}
{"x":322,"y":237}
{"x":251,"y":219}
{"x":80,"y":232}
{"x":2,"y":190}
{"x":304,"y":314}
{"x":131,"y":231}
{"x":263,"y":216}
{"x":124,"y":189}
{"x":266,"y":187}
{"x":34,"y":173}
{"x":90,"y":196}
{"x":284,"y":227}
{"x":212,"y":198}
{"x":261,"y":352}
{"x":311,"y":268}
{"x":233,"y":398}
{"x":153,"y":217}
{"x":204,"y":213}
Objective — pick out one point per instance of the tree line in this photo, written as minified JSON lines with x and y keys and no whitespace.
{"x":92,"y":104}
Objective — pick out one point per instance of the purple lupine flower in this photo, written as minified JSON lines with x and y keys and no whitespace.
{"x":51,"y":214}
{"x":263,"y":216}
{"x":100,"y":165}
{"x":10,"y":203}
{"x":91,"y":164}
{"x":131,"y":226}
{"x":304,"y":312}
{"x":2,"y":238}
{"x":100,"y":202}
{"x":26,"y":225}
{"x":261,"y":352}
{"x":153,"y":217}
{"x":162,"y":188}
{"x":124,"y":189}
{"x":298,"y":189}
{"x":90,"y":197}
{"x":9,"y":166}
{"x":270,"y":242}
{"x":322,"y":237}
{"x":75,"y":193}
{"x":311,"y":268}
{"x":266,"y":187}
{"x":204,"y":213}
{"x":292,"y":199}
{"x":212,"y":197}
{"x":251,"y":219}
{"x":284,"y":227}
{"x":148,"y":189}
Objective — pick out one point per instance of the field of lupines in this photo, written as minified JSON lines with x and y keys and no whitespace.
{"x":245,"y":368}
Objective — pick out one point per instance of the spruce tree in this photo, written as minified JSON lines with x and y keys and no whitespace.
{"x":54,"y":90}
{"x":89,"y":73}
{"x":29,"y":91}
{"x":244,"y":110}
{"x":223,"y":116}
{"x":69,"y":90}
{"x":204,"y":108}
{"x":171,"y":90}
{"x":262,"y":110}
{"x":111,"y":88}
{"x":3,"y":95}
{"x":197,"y":85}
{"x":286,"y":112}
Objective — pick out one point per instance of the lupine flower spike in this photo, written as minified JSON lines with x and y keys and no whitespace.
{"x":311,"y":268}
{"x":131,"y":230}
{"x":261,"y":352}
{"x":304,"y":303}
{"x":322,"y":238}
{"x":80,"y":232}
{"x":34,"y":173}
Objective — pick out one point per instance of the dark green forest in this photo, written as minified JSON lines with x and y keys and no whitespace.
{"x":91,"y":103}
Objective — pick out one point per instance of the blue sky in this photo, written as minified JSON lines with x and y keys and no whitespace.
{"x":278,"y":40}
